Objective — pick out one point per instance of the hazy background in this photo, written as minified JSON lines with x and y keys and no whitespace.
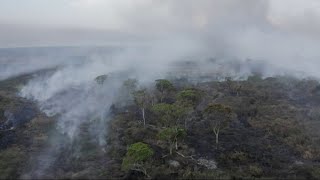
{"x":282,"y":33}
{"x":93,"y":22}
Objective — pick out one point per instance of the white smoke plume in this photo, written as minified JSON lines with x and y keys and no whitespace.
{"x":242,"y":36}
{"x":243,"y":32}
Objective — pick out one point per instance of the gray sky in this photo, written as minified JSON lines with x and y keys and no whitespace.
{"x":69,"y":22}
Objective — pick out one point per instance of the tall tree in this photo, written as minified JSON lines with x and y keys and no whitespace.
{"x":142,"y":100}
{"x":232,"y":87}
{"x":131,"y":85}
{"x":164,"y":87}
{"x":172,"y":135}
{"x":219,"y":117}
{"x":101,"y":79}
{"x":169,"y":114}
{"x":188,"y":99}
{"x":126,"y":92}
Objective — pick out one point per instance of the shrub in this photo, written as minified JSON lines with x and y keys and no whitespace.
{"x":10,"y":162}
{"x":255,"y":171}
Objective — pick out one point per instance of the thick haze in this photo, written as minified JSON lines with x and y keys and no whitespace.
{"x":97,"y":22}
{"x":255,"y":34}
{"x":283,"y":33}
{"x":272,"y":37}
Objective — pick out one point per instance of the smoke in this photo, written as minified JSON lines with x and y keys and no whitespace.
{"x":242,"y":37}
{"x":261,"y":30}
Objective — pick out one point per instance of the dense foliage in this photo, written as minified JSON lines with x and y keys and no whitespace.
{"x":254,"y":128}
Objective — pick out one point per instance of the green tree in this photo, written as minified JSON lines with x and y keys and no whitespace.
{"x":169,"y":114}
{"x":131,"y":85}
{"x":142,"y":100}
{"x":172,"y":135}
{"x":136,"y":157}
{"x":126,"y":93}
{"x":101,"y":79}
{"x":188,"y":99}
{"x":164,"y":87}
{"x":219,"y":117}
{"x":233,"y":87}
